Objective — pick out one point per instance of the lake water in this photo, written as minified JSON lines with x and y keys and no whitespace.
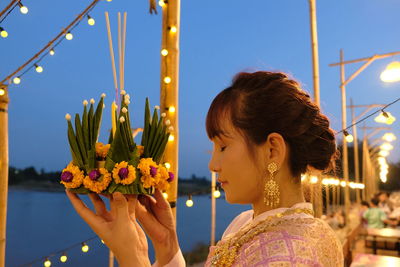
{"x":41,"y":223}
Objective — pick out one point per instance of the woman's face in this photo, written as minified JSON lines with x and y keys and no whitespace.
{"x":241,"y":180}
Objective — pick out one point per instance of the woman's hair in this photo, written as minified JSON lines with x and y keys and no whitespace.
{"x":261,"y":103}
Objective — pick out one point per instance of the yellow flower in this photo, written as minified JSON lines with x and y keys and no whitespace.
{"x":149,"y":170}
{"x":140,"y":150}
{"x":162,"y":182}
{"x":97,"y":180}
{"x":163,"y":185}
{"x":124,"y":173}
{"x":102,"y":150}
{"x":72,"y":176}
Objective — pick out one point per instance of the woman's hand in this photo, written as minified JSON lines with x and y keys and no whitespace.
{"x":155,"y":216}
{"x":117,"y":228}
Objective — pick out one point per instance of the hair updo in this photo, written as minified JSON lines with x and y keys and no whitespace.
{"x":262,"y":103}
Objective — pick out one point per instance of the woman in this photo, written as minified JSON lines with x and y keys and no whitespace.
{"x":266,"y":132}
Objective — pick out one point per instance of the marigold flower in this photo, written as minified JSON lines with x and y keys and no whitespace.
{"x":72,"y":176}
{"x":140,"y":150}
{"x":97,"y":180}
{"x":124,"y":173}
{"x":148,"y":169}
{"x":102,"y":150}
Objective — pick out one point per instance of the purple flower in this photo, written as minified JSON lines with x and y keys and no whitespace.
{"x":171,"y":177}
{"x":94,"y":175}
{"x":67,"y":176}
{"x":123,"y":173}
{"x":153,"y":171}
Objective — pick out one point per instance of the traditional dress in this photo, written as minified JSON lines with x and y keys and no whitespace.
{"x":279,"y":237}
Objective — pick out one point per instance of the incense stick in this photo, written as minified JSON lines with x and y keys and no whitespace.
{"x":112,"y":55}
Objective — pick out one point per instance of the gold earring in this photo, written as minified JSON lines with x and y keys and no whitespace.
{"x":271,"y":188}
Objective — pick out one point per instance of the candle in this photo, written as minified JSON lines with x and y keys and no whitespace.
{"x":113,"y":122}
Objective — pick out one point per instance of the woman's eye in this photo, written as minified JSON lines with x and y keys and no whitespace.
{"x":222,"y":148}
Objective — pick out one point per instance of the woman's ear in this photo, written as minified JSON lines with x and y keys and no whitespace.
{"x":275,"y":147}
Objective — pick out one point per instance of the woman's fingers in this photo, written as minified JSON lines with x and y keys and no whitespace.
{"x":87,"y":214}
{"x":100,"y":207}
{"x":150,"y":224}
{"x":120,"y":206}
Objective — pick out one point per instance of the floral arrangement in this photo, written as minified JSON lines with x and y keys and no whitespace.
{"x":121,"y":165}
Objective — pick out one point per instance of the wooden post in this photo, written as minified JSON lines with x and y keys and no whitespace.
{"x":213,"y":208}
{"x":169,"y":89}
{"x":3,"y":170}
{"x":356,"y":158}
{"x":345,"y":163}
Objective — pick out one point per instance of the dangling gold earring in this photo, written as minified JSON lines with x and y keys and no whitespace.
{"x":271,"y":188}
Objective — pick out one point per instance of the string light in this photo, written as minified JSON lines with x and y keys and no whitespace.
{"x":389,"y":137}
{"x":167,"y":80}
{"x":90,"y":20}
{"x":161,"y":3}
{"x":171,"y":109}
{"x":3,"y":33}
{"x":173,"y":29}
{"x":167,"y":165}
{"x":85,"y":247}
{"x":2,"y":92}
{"x":171,"y":138}
{"x":189,"y":202}
{"x":52,"y":52}
{"x":342,"y":183}
{"x":383,"y":153}
{"x":17,"y":80}
{"x":164,"y":52}
{"x":24,"y":10}
{"x":102,"y":241}
{"x":313,"y":179}
{"x":47,"y":263}
{"x":386,"y":146}
{"x":39,"y":69}
{"x":63,"y":257}
{"x":165,"y":195}
{"x":69,"y":36}
{"x":349,"y":138}
{"x":217,"y":193}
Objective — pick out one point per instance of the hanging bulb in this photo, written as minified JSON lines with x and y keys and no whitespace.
{"x":2,"y":92}
{"x":167,"y":80}
{"x":167,"y":165}
{"x":17,"y":80}
{"x":165,"y":195}
{"x":39,"y":69}
{"x":171,"y":109}
{"x":349,"y":138}
{"x":85,"y":247}
{"x":3,"y":33}
{"x":64,"y":257}
{"x":389,"y":137}
{"x":52,"y":52}
{"x":161,"y":3}
{"x":171,"y":138}
{"x":22,"y":8}
{"x":164,"y":52}
{"x":173,"y":29}
{"x":217,"y":193}
{"x":90,"y":20}
{"x":391,"y":73}
{"x":69,"y":36}
{"x":189,"y":202}
{"x":47,"y":263}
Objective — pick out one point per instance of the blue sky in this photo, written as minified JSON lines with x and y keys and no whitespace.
{"x":218,"y":39}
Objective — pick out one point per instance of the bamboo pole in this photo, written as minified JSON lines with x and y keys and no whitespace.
{"x":169,"y":90}
{"x":345,"y":163}
{"x":356,"y":158}
{"x":10,"y":5}
{"x":3,"y":170}
{"x":213,"y":208}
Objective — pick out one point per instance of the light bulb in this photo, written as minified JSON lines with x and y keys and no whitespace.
{"x":47,"y":263}
{"x":171,"y":138}
{"x":217,"y":193}
{"x":2,"y":92}
{"x":22,"y":8}
{"x":167,"y":80}
{"x":389,"y":137}
{"x":349,"y":138}
{"x":383,"y":153}
{"x":173,"y":29}
{"x":69,"y":36}
{"x":161,"y":3}
{"x":165,"y":195}
{"x":3,"y":33}
{"x":391,"y":73}
{"x":38,"y":68}
{"x":189,"y":202}
{"x":17,"y":80}
{"x":171,"y":109}
{"x":167,"y":165}
{"x":313,"y":179}
{"x":52,"y":52}
{"x":90,"y":20}
{"x":342,"y":183}
{"x":164,"y":52}
{"x":85,"y":247}
{"x":64,"y":258}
